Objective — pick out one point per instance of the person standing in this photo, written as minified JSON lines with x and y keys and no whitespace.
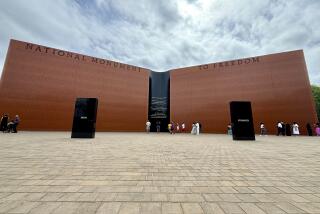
{"x":148,"y":125}
{"x":169,"y":128}
{"x":183,"y":127}
{"x":309,"y":129}
{"x":178,"y":127}
{"x":193,"y":130}
{"x":262,"y":129}
{"x":279,"y":126}
{"x":4,"y":123}
{"x":229,"y":129}
{"x":158,"y":123}
{"x":16,"y":123}
{"x":173,"y":128}
{"x":288,"y":129}
{"x":197,"y":128}
{"x":284,"y":128}
{"x":317,"y":129}
{"x":295,"y":129}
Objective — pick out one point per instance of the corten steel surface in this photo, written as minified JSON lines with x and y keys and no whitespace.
{"x":41,"y":85}
{"x":277,"y":86}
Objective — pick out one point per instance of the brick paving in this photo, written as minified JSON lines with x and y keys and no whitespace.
{"x":47,"y":172}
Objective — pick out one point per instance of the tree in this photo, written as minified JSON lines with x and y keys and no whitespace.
{"x":316,"y":96}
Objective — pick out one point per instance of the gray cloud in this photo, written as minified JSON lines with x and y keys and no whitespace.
{"x":161,"y":35}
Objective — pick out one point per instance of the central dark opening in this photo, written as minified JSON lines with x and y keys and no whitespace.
{"x":159,"y":100}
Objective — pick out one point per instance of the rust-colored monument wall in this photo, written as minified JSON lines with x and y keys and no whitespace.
{"x":277,"y":86}
{"x":41,"y":84}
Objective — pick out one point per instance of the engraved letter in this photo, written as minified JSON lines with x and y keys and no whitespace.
{"x":29,"y":46}
{"x":61,"y":53}
{"x":255,"y":59}
{"x":46,"y":49}
{"x":38,"y":49}
{"x":94,"y":59}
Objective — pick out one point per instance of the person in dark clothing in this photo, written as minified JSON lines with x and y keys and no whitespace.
{"x":288,"y":129}
{"x":4,"y":123}
{"x":173,"y":128}
{"x":283,"y":130}
{"x":200,"y":127}
{"x":279,"y":128}
{"x":10,"y":126}
{"x":309,"y":129}
{"x":15,"y":124}
{"x":158,"y":125}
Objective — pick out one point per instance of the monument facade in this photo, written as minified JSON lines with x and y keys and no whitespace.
{"x":41,"y":84}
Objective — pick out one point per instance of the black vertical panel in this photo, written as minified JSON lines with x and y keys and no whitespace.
{"x":84,"y":119}
{"x":159,"y":93}
{"x":241,"y":120}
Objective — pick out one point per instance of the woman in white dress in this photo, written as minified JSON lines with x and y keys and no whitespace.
{"x":197,"y":129}
{"x":295,"y":129}
{"x":193,"y":130}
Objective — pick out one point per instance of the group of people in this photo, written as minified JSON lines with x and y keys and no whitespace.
{"x":282,"y":128}
{"x":175,"y":127}
{"x":196,"y":128}
{"x":287,"y":129}
{"x":7,"y":125}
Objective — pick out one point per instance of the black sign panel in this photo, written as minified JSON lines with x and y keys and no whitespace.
{"x":241,"y":120}
{"x":84,"y":119}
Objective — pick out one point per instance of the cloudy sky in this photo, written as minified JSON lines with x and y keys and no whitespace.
{"x":165,"y":34}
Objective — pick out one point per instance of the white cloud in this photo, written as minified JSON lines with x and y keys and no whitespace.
{"x":161,"y":35}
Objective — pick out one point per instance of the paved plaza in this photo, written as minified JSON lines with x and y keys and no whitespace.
{"x":47,"y":172}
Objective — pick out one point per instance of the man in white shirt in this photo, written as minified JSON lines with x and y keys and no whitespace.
{"x":262,"y":129}
{"x":279,"y":125}
{"x":148,"y":125}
